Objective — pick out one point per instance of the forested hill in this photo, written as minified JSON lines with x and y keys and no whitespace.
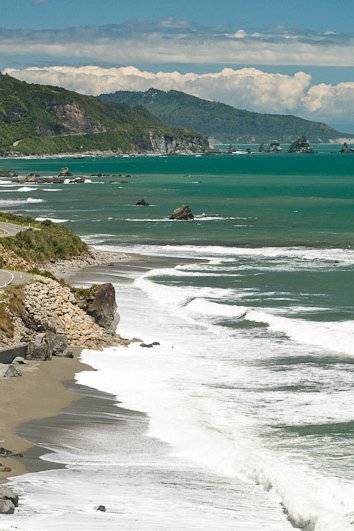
{"x":223,"y":122}
{"x":36,"y":119}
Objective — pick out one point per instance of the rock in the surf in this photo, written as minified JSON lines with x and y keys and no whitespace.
{"x":103,"y":307}
{"x":182,"y":213}
{"x":6,"y":507}
{"x":8,"y":494}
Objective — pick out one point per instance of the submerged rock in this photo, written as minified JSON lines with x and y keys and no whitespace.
{"x":182,"y":213}
{"x":142,"y":202}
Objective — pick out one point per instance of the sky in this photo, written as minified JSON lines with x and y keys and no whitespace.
{"x":276,"y":56}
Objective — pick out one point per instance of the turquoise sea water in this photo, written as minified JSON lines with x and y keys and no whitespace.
{"x":261,"y":371}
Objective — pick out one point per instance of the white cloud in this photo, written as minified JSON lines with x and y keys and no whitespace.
{"x":247,"y":88}
{"x":171,"y":41}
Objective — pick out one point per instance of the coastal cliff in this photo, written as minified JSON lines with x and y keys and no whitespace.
{"x":40,"y":303}
{"x":36,"y":119}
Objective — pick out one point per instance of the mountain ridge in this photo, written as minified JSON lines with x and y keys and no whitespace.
{"x":40,"y":119}
{"x":224,"y":122}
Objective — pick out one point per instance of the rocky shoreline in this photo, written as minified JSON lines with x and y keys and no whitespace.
{"x":53,"y":319}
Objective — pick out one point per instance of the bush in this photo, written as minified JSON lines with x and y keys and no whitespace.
{"x":49,"y":242}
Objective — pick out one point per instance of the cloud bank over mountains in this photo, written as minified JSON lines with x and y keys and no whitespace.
{"x":188,"y":44}
{"x":247,"y":88}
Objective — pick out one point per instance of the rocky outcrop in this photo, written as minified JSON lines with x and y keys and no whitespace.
{"x":101,"y":304}
{"x":48,"y":344}
{"x":142,"y":202}
{"x":168,"y":144}
{"x":8,"y":500}
{"x":65,"y":172}
{"x":182,"y":213}
{"x":346,"y":148}
{"x":53,"y":308}
{"x":301,"y":145}
{"x":76,"y":120}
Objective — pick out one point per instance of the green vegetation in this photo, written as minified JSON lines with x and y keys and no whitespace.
{"x":36,"y":119}
{"x":18,"y":220}
{"x":223,"y":122}
{"x":50,"y":242}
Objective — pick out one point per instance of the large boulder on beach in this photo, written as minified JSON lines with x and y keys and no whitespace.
{"x":48,"y":344}
{"x":182,"y":213}
{"x":8,"y":494}
{"x":103,"y":307}
{"x":6,"y":507}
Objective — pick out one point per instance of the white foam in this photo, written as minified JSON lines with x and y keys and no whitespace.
{"x":309,"y":255}
{"x":17,"y":202}
{"x":332,"y":336}
{"x":27,"y":189}
{"x":53,"y":220}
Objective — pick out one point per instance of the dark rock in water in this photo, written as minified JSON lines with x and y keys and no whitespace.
{"x":182,"y":213}
{"x":8,"y":173}
{"x":8,"y":494}
{"x":149,"y":345}
{"x":48,"y":344}
{"x":301,"y":145}
{"x":9,"y":371}
{"x":6,"y":507}
{"x":346,"y":148}
{"x":65,"y":172}
{"x":142,"y":202}
{"x":103,"y":307}
{"x":101,"y":508}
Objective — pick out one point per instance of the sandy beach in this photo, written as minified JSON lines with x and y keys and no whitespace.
{"x":39,"y":393}
{"x":42,"y":391}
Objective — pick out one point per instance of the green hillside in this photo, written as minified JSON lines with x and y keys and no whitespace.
{"x":36,"y":119}
{"x":223,"y":122}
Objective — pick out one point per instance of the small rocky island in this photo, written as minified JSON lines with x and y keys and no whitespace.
{"x":301,"y":145}
{"x":182,"y":213}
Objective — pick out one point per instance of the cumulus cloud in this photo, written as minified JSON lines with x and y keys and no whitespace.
{"x":170,"y":41}
{"x":247,"y":88}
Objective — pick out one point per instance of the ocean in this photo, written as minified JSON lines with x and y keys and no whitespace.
{"x":242,"y":417}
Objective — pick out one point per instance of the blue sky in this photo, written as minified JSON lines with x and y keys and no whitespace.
{"x":318,"y":15}
{"x":279,"y":56}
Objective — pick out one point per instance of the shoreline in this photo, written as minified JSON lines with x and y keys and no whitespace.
{"x":43,"y":389}
{"x":41,"y":392}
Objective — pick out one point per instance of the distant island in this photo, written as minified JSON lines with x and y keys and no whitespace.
{"x":223,"y":122}
{"x":37,"y":120}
